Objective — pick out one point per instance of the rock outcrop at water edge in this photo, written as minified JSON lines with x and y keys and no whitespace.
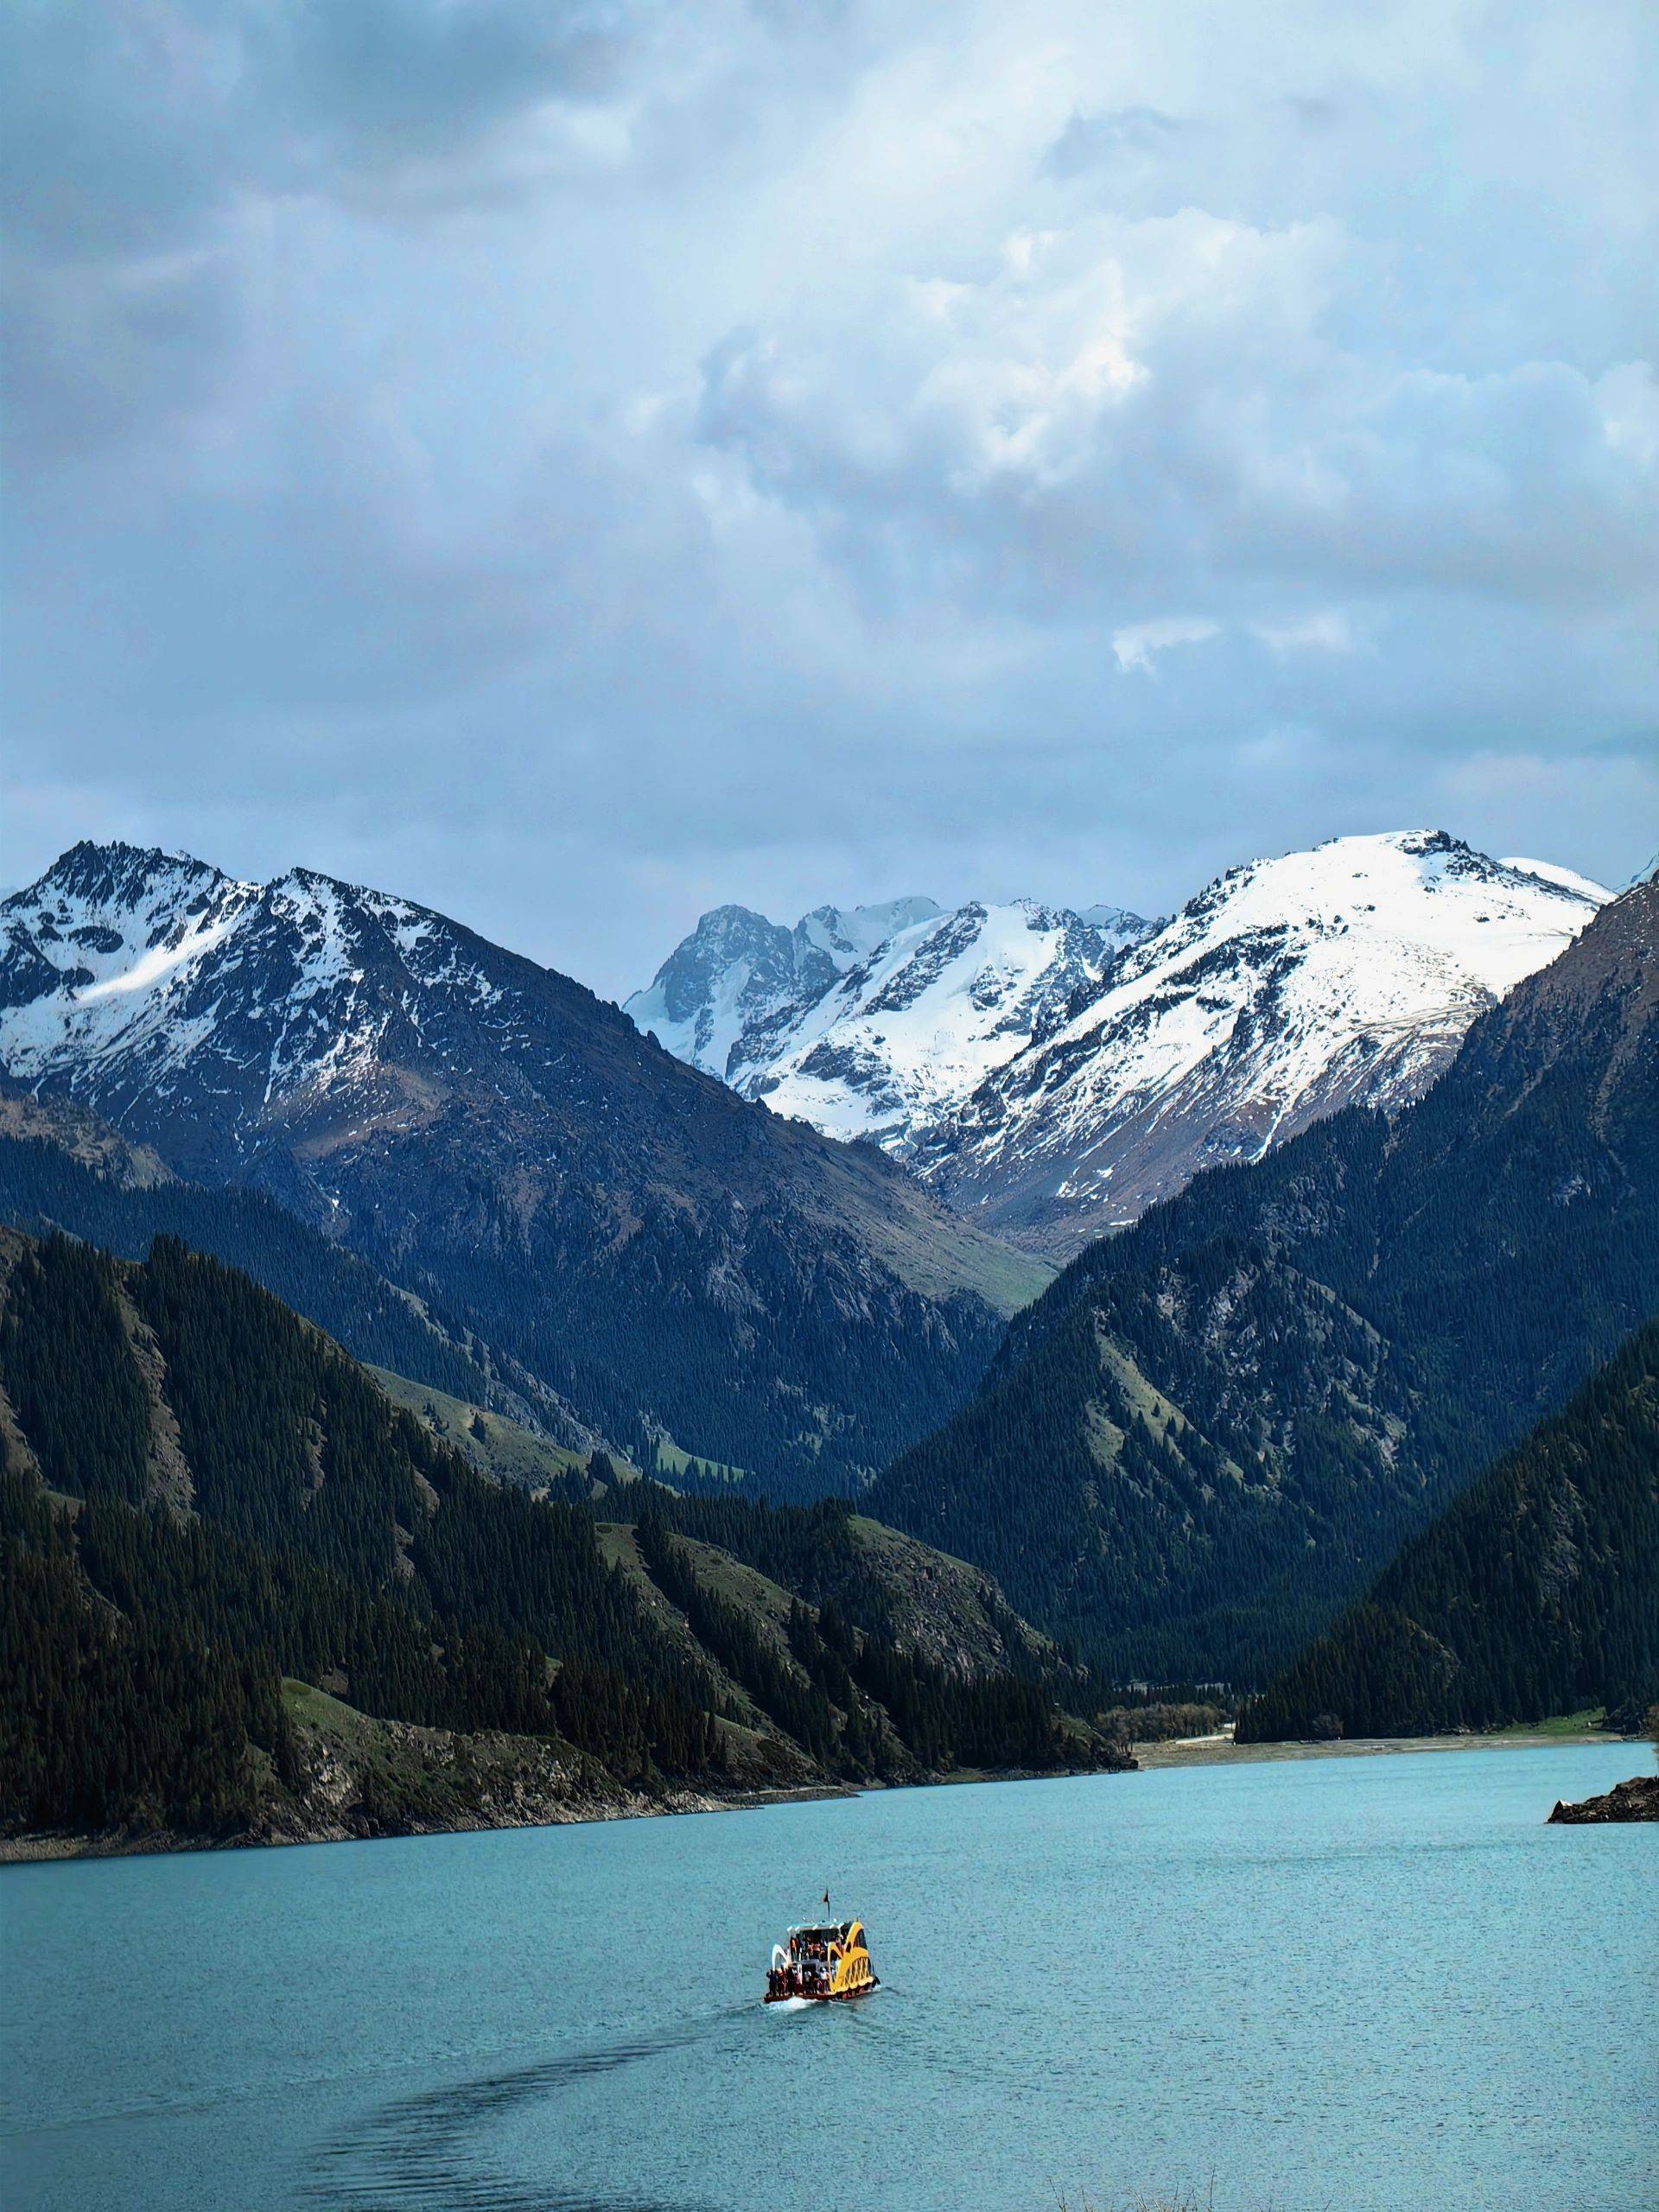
{"x":1635,"y":1800}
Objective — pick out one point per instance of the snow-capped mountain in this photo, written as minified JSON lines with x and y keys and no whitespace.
{"x":727,"y":993}
{"x":1285,"y":989}
{"x":875,"y":1022}
{"x":676,"y":1263}
{"x":908,"y":1035}
{"x":142,"y":981}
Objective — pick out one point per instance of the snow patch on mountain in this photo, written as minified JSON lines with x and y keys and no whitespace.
{"x":1285,"y":989}
{"x":913,"y":1031}
{"x":874,"y":1022}
{"x":123,"y":967}
{"x":1568,"y":879}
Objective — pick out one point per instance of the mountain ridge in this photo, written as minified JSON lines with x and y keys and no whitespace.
{"x":1051,"y":1074}
{"x":1286,"y":988}
{"x":672,"y":1261}
{"x":874,"y":1023}
{"x":1244,"y":1403}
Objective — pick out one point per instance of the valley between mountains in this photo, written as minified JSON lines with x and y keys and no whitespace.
{"x":440,"y":1398}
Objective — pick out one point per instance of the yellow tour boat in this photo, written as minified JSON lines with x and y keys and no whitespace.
{"x":826,"y":1962}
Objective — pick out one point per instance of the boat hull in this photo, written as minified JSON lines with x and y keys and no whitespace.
{"x":823,"y":1996}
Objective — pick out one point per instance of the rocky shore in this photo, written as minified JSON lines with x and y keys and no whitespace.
{"x":356,"y":1778}
{"x":359,"y":1779}
{"x":1636,"y":1799}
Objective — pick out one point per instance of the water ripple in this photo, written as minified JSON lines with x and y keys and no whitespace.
{"x":419,"y":2151}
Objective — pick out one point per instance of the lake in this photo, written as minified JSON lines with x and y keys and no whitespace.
{"x":1324,"y":1986}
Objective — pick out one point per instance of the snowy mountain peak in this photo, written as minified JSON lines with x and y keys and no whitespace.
{"x":849,"y":933}
{"x":121,"y":968}
{"x":91,"y":887}
{"x":113,"y":924}
{"x":115,"y":873}
{"x":488,"y":1133}
{"x":1115,"y":922}
{"x":1285,"y":988}
{"x":873,"y":1022}
{"x":727,"y":994}
{"x":735,"y":972}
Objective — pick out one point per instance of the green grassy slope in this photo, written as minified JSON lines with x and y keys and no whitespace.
{"x":489,"y":1441}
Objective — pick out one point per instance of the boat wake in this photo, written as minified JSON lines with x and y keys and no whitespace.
{"x":420,"y":2152}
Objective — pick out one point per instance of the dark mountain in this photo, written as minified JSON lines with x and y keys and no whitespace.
{"x":1535,"y":1592}
{"x":61,"y":1167}
{"x":1213,"y":1429}
{"x":243,"y":1592}
{"x":675,"y":1262}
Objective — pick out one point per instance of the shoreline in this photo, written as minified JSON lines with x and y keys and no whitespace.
{"x":1222,"y":1752}
{"x":58,"y":1847}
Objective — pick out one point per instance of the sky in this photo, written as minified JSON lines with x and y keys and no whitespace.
{"x":578,"y":465}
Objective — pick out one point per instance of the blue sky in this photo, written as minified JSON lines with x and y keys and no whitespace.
{"x":577,"y":466}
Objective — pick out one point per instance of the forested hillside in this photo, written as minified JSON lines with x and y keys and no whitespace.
{"x":1173,"y":1481}
{"x":1211,"y":1432}
{"x":1535,"y":1592}
{"x":76,"y":1175}
{"x":903,"y":1592}
{"x":243,"y":1594}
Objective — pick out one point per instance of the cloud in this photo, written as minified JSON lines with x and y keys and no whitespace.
{"x":1327,"y":630}
{"x":1109,"y":398}
{"x":579,"y":464}
{"x":1139,"y":646}
{"x":132,"y":123}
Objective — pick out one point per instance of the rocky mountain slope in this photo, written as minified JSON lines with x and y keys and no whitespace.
{"x":671,"y":1261}
{"x":247,"y":1597}
{"x":62,"y":1168}
{"x":878,"y":1022}
{"x":1288,"y":989}
{"x":728,"y":993}
{"x":1535,"y":1592}
{"x":1215,"y":1426}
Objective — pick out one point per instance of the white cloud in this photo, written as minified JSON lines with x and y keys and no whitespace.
{"x":513,"y":453}
{"x":1110,"y":404}
{"x":1139,"y":646}
{"x":1328,"y":630}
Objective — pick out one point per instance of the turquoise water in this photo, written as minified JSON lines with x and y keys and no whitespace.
{"x":1324,"y":1986}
